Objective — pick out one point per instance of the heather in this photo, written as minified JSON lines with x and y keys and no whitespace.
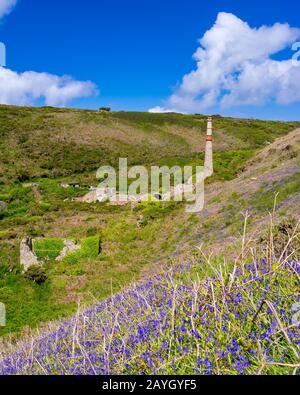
{"x":238,"y":320}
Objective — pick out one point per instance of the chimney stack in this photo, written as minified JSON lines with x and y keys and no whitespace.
{"x":208,"y":164}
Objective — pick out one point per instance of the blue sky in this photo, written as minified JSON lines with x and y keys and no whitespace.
{"x":137,"y":51}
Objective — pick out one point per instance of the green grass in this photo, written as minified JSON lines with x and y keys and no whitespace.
{"x":47,"y":248}
{"x":47,"y":142}
{"x":87,"y":273}
{"x":227,"y":164}
{"x":264,"y":198}
{"x":28,"y":304}
{"x":90,"y":249}
{"x":227,"y":317}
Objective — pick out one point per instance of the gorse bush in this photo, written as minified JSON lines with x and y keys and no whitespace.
{"x":154,"y":210}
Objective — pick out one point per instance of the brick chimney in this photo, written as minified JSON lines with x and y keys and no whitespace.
{"x":208,"y":163}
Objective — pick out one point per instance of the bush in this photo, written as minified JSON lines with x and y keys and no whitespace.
{"x":284,"y":240}
{"x":36,"y":274}
{"x":92,"y":231}
{"x":23,"y":175}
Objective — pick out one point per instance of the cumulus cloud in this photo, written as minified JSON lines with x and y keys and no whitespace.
{"x":235,"y":67}
{"x":6,"y":6}
{"x":29,"y":87}
{"x":25,"y":88}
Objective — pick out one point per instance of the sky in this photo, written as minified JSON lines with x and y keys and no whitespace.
{"x":227,"y":57}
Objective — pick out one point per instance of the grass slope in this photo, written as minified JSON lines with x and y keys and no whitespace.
{"x":43,"y":142}
{"x":240,"y":320}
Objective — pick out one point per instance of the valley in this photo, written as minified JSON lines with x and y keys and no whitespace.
{"x":256,"y":172}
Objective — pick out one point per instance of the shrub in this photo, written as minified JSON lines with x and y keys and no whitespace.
{"x":284,"y":241}
{"x":36,"y":274}
{"x":92,"y":231}
{"x":23,"y":175}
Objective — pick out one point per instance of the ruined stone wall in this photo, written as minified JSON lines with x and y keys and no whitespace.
{"x":69,"y":247}
{"x":27,"y":256}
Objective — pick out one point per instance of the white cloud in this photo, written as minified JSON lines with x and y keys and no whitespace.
{"x":235,"y":67}
{"x":28,"y":87}
{"x":159,"y":109}
{"x":6,"y":6}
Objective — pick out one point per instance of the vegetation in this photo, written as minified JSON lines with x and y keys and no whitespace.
{"x":42,"y":148}
{"x":243,"y":319}
{"x":47,"y":248}
{"x":264,"y":198}
{"x":36,"y":274}
{"x":90,"y":249}
{"x":47,"y":142}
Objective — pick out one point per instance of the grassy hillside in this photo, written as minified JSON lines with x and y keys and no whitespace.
{"x":48,"y":145}
{"x":236,"y":320}
{"x":49,"y":142}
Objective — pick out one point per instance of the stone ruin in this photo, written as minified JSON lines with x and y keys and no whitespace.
{"x":69,"y":247}
{"x":70,"y":185}
{"x":28,"y":258}
{"x":115,"y":198}
{"x":106,"y":194}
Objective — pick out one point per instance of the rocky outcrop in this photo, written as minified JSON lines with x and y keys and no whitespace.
{"x":27,"y":256}
{"x":69,"y":247}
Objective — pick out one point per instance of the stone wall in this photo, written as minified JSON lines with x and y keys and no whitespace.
{"x":27,"y":256}
{"x":70,"y":246}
